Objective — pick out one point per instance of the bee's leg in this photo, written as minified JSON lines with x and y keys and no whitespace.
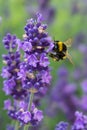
{"x":64,"y":57}
{"x":56,"y":59}
{"x":54,"y":56}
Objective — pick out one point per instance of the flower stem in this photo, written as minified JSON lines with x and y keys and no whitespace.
{"x":25,"y":127}
{"x":16,"y":125}
{"x":10,"y":47}
{"x":30,"y":101}
{"x":29,"y":108}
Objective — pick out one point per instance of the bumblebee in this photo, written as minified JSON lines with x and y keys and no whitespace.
{"x":60,"y":50}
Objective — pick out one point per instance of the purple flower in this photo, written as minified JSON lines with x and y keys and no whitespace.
{"x":9,"y":41}
{"x":7,"y":104}
{"x":27,"y":76}
{"x":84,"y":85}
{"x":64,"y":96}
{"x":19,"y":44}
{"x":11,"y":82}
{"x":7,"y":89}
{"x":39,"y":17}
{"x":83,"y":48}
{"x":38,"y":115}
{"x":12,"y":85}
{"x":44,"y":60}
{"x":47,"y":11}
{"x":83,"y":102}
{"x":70,"y":88}
{"x":62,"y":126}
{"x":34,"y":116}
{"x":10,"y":127}
{"x":22,"y":73}
{"x":35,"y":66}
{"x":22,"y":105}
{"x":25,"y":117}
{"x":9,"y":85}
{"x":80,"y":122}
{"x":32,"y":106}
{"x":5,"y":72}
{"x":50,"y":47}
{"x":62,"y":72}
{"x":27,"y":46}
{"x":77,"y":74}
{"x":75,"y":8}
{"x":43,"y":91}
{"x":46,"y":77}
{"x":32,"y":59}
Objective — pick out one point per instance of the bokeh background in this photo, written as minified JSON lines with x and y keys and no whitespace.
{"x":65,"y":19}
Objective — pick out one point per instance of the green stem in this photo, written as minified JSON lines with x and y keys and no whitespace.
{"x":16,"y":125}
{"x":25,"y":127}
{"x":30,"y":101}
{"x":29,"y":107}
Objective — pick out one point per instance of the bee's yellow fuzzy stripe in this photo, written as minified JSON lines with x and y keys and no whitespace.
{"x":60,"y":46}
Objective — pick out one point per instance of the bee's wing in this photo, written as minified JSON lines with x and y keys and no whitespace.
{"x":68,"y":43}
{"x":69,"y":57}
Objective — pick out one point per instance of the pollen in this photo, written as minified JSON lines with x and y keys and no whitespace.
{"x":30,"y":75}
{"x":4,"y":62}
{"x":40,"y":29}
{"x":33,"y":90}
{"x":25,"y":36}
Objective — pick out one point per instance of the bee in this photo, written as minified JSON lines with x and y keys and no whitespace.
{"x":60,"y":50}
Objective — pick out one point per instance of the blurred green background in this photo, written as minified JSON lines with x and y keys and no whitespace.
{"x":69,"y":21}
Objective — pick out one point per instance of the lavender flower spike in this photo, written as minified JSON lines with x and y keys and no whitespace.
{"x":28,"y":76}
{"x":36,"y":45}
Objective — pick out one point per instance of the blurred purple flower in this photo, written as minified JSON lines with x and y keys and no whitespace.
{"x":80,"y":123}
{"x":79,"y":39}
{"x":83,"y":102}
{"x":63,"y":95}
{"x":77,"y":74}
{"x":61,"y":126}
{"x":10,"y":127}
{"x":47,"y":10}
{"x":84,"y":85}
{"x":75,"y":8}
